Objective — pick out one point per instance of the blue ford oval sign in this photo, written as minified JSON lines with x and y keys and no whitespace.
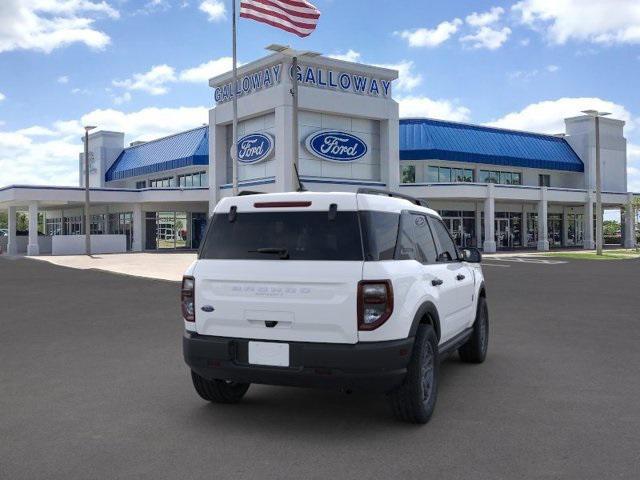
{"x":336,"y":146}
{"x":255,"y":148}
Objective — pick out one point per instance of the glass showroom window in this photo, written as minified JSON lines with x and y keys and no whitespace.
{"x":408,"y":174}
{"x":199,"y":179}
{"x":447,"y":174}
{"x":142,"y":184}
{"x":504,"y":178}
{"x":53,"y":226}
{"x":162,"y":182}
{"x":98,"y":223}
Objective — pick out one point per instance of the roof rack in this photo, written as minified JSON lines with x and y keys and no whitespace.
{"x":387,"y":193}
{"x":249,"y":192}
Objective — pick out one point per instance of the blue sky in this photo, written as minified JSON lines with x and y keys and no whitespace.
{"x":141,"y":66}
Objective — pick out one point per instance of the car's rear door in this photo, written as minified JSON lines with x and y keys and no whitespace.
{"x":281,"y":270}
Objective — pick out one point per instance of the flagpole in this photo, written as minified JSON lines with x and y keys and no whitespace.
{"x":234,"y":145}
{"x":294,"y":123}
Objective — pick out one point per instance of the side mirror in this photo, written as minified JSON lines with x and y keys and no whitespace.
{"x":471,"y":255}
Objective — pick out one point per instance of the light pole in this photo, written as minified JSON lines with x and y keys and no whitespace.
{"x":294,"y":54}
{"x":87,"y":217}
{"x":596,"y":114}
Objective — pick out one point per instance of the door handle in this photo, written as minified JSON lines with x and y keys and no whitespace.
{"x":436,"y":282}
{"x":460,"y":277}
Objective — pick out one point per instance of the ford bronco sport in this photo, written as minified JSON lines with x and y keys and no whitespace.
{"x":355,"y":291}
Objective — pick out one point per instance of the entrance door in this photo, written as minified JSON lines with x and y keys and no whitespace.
{"x":504,"y":238}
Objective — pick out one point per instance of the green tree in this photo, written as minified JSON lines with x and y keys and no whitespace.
{"x":3,"y":220}
{"x":610,"y":228}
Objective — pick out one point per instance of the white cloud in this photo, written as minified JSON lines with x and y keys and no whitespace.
{"x":154,"y":81}
{"x":214,"y":9}
{"x":349,"y":56}
{"x":45,"y":25}
{"x":419,"y":106}
{"x":527,"y":75}
{"x":2,"y":96}
{"x":407,"y":78}
{"x":548,"y":116}
{"x":203,"y":72}
{"x":63,"y":79}
{"x":120,"y":99}
{"x":486,"y":18}
{"x":525,"y":42}
{"x":49,"y":155}
{"x":595,"y":21}
{"x":487,"y":37}
{"x":424,"y":37}
{"x":552,"y":68}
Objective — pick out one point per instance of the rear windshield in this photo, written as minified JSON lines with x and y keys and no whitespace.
{"x":284,"y":236}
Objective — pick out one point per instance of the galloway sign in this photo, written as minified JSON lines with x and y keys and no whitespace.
{"x":255,"y":148}
{"x":336,"y":146}
{"x":248,"y":84}
{"x":331,"y":79}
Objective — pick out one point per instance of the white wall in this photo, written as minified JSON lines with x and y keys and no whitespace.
{"x":105,"y":147}
{"x":74,"y":244}
{"x":613,"y":147}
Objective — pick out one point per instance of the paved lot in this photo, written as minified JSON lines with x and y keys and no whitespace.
{"x":92,"y":385}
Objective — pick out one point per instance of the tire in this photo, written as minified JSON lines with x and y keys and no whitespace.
{"x":415,"y":400}
{"x":475,"y":349}
{"x":219,"y":391}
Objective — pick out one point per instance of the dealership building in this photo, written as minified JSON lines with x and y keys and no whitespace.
{"x":496,"y":189}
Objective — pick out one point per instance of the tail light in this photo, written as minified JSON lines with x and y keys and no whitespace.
{"x":187,"y":299}
{"x":375,"y":303}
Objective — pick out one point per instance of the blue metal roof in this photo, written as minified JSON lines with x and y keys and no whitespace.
{"x":427,"y":139}
{"x":176,"y":151}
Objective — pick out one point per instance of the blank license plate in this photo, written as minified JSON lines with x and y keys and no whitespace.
{"x":269,"y":353}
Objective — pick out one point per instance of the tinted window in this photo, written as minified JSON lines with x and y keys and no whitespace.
{"x":444,"y":244}
{"x":302,"y":235}
{"x":406,"y":248}
{"x":379,"y":234}
{"x":414,"y":239}
{"x":424,"y":240}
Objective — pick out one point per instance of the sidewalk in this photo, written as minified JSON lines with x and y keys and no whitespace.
{"x":163,"y":266}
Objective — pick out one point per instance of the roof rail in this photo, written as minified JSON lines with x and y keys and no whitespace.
{"x":250,"y":192}
{"x":387,"y":193}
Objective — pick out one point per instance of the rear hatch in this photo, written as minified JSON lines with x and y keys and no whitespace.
{"x":281,"y":267}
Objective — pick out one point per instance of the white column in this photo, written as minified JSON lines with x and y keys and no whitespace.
{"x":136,"y":244}
{"x":629,"y":224}
{"x":589,"y":242}
{"x":489,"y":245}
{"x":32,"y":246}
{"x":390,"y":151}
{"x":283,"y":154}
{"x":478,"y":225}
{"x":12,"y":245}
{"x":543,"y":240}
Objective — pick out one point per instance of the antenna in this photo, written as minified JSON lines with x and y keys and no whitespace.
{"x":301,"y":187}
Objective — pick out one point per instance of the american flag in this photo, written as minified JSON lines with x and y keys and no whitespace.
{"x":294,"y":16}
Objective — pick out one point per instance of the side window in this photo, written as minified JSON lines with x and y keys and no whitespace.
{"x":414,"y":239}
{"x":424,"y":240}
{"x":447,"y":251}
{"x":406,"y":246}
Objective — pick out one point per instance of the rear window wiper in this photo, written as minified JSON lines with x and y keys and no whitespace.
{"x":282,"y":252}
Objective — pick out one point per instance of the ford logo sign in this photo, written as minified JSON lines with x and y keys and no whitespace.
{"x":255,"y":148}
{"x":336,"y":146}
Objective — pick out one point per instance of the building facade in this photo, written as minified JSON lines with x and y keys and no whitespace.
{"x":496,"y":189}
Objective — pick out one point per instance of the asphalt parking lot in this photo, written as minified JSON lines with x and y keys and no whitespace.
{"x":92,"y":385}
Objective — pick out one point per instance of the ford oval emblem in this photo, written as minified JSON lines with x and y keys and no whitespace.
{"x":336,"y":146}
{"x":255,"y":148}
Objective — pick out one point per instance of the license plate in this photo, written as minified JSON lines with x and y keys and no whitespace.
{"x":269,"y":353}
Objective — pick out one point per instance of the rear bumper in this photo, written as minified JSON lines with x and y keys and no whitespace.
{"x":375,"y":366}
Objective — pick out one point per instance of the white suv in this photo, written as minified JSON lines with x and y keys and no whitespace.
{"x":356,"y":291}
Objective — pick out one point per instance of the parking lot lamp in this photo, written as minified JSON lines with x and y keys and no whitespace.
{"x":596,"y":114}
{"x":87,"y":216}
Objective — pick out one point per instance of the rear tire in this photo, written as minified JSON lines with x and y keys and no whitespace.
{"x":219,"y":391}
{"x":475,"y":349}
{"x":415,"y":400}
